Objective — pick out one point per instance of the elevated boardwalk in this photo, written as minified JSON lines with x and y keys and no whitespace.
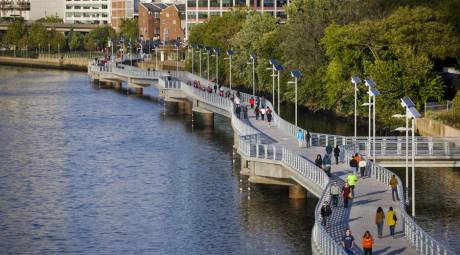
{"x":369,"y":195}
{"x":273,"y":153}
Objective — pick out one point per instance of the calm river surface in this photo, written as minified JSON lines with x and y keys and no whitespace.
{"x":92,"y":171}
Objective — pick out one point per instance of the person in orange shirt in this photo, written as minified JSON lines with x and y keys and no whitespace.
{"x":357,"y":158}
{"x":367,"y":243}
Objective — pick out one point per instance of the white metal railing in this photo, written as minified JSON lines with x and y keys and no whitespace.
{"x":417,"y":237}
{"x":251,"y":147}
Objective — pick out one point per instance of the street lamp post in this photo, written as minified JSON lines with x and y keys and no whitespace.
{"x":253,"y":58}
{"x":276,"y":67}
{"x":369,"y":84}
{"x":374,"y":93}
{"x":230,"y":54}
{"x":177,"y":45}
{"x":411,"y":112}
{"x":200,"y":47}
{"x":296,"y":74}
{"x":355,"y":80}
{"x":193,"y":60}
{"x":216,"y":54}
{"x":207,"y":60}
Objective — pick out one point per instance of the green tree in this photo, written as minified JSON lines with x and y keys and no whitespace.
{"x":56,"y":40}
{"x":75,"y":41}
{"x":16,"y":31}
{"x":50,"y":19}
{"x":399,"y":56}
{"x":38,"y":35}
{"x":99,"y":37}
{"x":258,"y":35}
{"x":129,"y":29}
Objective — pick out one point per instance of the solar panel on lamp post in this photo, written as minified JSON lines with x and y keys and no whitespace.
{"x":230,"y":54}
{"x":369,"y":84}
{"x":296,"y":74}
{"x":355,"y":80}
{"x":412,"y":112}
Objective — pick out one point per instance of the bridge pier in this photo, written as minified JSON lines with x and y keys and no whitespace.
{"x":138,"y":91}
{"x":202,"y":117}
{"x":117,"y":85}
{"x":296,"y":191}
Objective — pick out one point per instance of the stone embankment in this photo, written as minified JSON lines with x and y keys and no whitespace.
{"x":76,"y":64}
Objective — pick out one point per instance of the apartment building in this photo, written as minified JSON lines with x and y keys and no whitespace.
{"x":161,"y":21}
{"x":15,"y":9}
{"x":198,"y":11}
{"x":172,"y":20}
{"x":123,"y":9}
{"x":87,"y":11}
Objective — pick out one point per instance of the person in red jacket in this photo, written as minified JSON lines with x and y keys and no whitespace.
{"x":251,"y":102}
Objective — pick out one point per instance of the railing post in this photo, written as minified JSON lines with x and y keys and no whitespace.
{"x":398,"y":146}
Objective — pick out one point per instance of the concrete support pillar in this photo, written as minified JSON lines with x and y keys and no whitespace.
{"x":297,"y":192}
{"x":188,"y":106}
{"x":171,"y":106}
{"x":138,"y":90}
{"x":203,"y":118}
{"x":117,"y":85}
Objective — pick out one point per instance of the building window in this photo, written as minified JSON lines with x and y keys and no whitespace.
{"x":167,"y":15}
{"x":156,"y":15}
{"x":174,"y":22}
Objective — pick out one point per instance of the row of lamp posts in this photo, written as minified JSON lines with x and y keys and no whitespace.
{"x":276,"y":68}
{"x":373,"y":92}
{"x":410,"y":112}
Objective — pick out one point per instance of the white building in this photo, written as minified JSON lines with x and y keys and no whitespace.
{"x":15,"y":9}
{"x":87,"y":11}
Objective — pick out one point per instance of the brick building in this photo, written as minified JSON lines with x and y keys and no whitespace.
{"x":171,"y":23}
{"x":160,"y":21}
{"x":122,"y":9}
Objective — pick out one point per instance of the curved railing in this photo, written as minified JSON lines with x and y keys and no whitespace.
{"x":417,"y":237}
{"x":321,"y":239}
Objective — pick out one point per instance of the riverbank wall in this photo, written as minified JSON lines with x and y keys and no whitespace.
{"x":430,"y":127}
{"x":74,"y":64}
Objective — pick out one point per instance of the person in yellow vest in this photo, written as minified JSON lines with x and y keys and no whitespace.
{"x":352,"y":180}
{"x":391,"y":221}
{"x":394,"y":187}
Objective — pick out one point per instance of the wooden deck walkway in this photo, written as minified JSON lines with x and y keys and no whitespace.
{"x":369,"y":195}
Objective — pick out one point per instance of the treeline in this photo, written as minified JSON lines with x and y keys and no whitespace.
{"x":399,"y":44}
{"x":20,"y":36}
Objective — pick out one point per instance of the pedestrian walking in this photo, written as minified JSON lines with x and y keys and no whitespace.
{"x":329,"y":149}
{"x":357,"y":158}
{"x":238,"y":111}
{"x":394,"y":187}
{"x":258,"y":101}
{"x":215,"y":88}
{"x":325,"y":212}
{"x":251,"y":102}
{"x":336,"y":154}
{"x":362,"y":167}
{"x":308,"y":139}
{"x":262,"y":112}
{"x":269,"y":116}
{"x":348,"y":242}
{"x":327,"y":162}
{"x":379,"y":220}
{"x":391,"y":221}
{"x":335,"y":192}
{"x":237,"y":101}
{"x":352,"y":180}
{"x":300,"y":136}
{"x":367,"y":243}
{"x":245,"y":112}
{"x":319,"y":161}
{"x":257,"y":112}
{"x":346,"y":194}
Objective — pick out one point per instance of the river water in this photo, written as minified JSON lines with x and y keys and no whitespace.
{"x":92,"y":171}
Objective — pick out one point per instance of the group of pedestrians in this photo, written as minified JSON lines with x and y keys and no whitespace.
{"x":304,"y":139}
{"x":261,"y":110}
{"x":325,"y":162}
{"x":348,"y":241}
